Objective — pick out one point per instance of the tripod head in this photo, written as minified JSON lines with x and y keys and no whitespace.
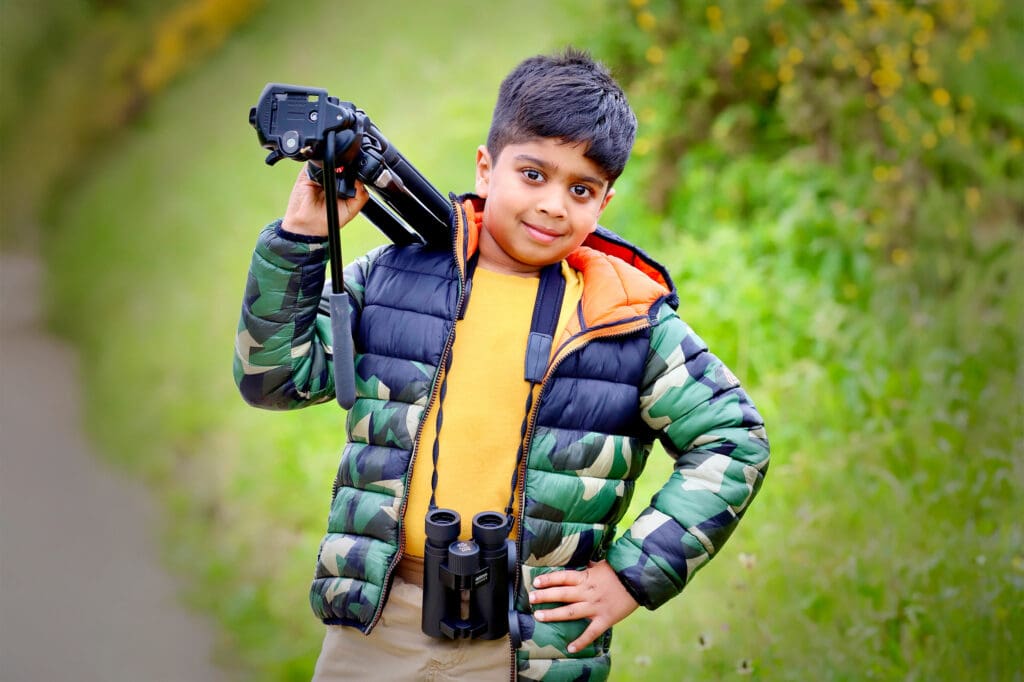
{"x":294,"y":121}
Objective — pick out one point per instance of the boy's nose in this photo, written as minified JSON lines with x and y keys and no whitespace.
{"x":552,"y":204}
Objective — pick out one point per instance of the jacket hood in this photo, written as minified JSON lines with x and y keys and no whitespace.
{"x":620,"y":279}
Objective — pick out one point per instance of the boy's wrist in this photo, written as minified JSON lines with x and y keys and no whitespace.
{"x":298,"y":236}
{"x":629,"y":587}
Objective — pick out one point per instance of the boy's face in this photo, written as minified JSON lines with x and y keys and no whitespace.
{"x":543,"y":199}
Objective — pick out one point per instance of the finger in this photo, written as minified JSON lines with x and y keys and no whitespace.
{"x":574,"y":611}
{"x":559,"y":578}
{"x":555,"y":594}
{"x":593,"y":631}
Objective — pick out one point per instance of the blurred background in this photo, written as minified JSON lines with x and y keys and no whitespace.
{"x":836,"y":187}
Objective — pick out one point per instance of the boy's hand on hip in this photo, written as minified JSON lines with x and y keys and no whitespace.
{"x":307,"y":213}
{"x":595,"y":593}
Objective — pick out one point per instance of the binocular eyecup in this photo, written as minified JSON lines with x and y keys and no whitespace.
{"x":479,"y":568}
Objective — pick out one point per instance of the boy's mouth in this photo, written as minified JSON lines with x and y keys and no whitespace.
{"x":541,"y":234}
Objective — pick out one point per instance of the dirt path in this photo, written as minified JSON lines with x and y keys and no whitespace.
{"x":82,"y":593}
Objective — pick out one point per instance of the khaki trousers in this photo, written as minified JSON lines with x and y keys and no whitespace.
{"x":398,"y":650}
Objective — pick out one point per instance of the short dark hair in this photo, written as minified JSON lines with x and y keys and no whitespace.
{"x":568,"y":96}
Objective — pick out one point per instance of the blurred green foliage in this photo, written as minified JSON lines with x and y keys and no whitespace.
{"x":838,"y":189}
{"x":835,"y":186}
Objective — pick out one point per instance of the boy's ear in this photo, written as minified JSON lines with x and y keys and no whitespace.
{"x":483,"y":171}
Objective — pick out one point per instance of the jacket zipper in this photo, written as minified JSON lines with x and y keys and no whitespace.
{"x":570,"y":347}
{"x":434,"y":392}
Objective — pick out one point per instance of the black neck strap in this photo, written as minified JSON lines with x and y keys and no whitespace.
{"x":546,"y":310}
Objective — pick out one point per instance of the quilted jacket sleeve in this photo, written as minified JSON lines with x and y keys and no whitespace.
{"x":717,"y":438}
{"x":283,"y":346}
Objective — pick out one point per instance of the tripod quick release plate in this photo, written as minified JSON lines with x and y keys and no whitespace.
{"x":292,"y":121}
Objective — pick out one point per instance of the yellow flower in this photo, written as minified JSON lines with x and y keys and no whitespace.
{"x":929,"y":140}
{"x":921,"y":56}
{"x":881,"y":8}
{"x":646,"y":21}
{"x":947,"y":126}
{"x":927,"y":74}
{"x":772,"y":5}
{"x":714,"y":15}
{"x":888,"y":80}
{"x":972,"y":197}
{"x":779,"y":37}
{"x":795,"y":55}
{"x":967,"y":103}
{"x":740,"y":44}
{"x":786,"y":73}
{"x":1016,"y":145}
{"x":941,"y":97}
{"x":851,"y":7}
{"x":880,"y":173}
{"x":655,"y":55}
{"x":899,"y":256}
{"x":638,"y":3}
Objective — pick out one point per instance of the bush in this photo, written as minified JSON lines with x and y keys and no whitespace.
{"x":837,"y":188}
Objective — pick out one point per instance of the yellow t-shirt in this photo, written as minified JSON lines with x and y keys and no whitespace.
{"x":484,"y":403}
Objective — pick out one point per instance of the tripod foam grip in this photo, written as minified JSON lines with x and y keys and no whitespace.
{"x":344,"y":365}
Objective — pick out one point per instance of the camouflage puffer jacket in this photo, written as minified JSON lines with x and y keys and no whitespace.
{"x":627,"y":371}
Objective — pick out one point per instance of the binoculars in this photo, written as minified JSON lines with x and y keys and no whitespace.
{"x":480,"y":567}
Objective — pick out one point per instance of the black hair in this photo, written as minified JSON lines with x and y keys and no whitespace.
{"x":568,"y":96}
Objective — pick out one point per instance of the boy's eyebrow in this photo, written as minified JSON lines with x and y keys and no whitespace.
{"x":545,"y":165}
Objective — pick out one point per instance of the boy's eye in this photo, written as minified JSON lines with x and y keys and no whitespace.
{"x":533,"y":175}
{"x":580,"y":190}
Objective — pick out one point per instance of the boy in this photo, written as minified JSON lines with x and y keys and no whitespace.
{"x":446,"y":416}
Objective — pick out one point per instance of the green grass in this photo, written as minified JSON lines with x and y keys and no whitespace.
{"x":886,"y":543}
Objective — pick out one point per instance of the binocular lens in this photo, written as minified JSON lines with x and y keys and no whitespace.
{"x":490,"y":529}
{"x":443,"y":526}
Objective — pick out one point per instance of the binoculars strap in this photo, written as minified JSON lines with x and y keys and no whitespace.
{"x":546,"y":310}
